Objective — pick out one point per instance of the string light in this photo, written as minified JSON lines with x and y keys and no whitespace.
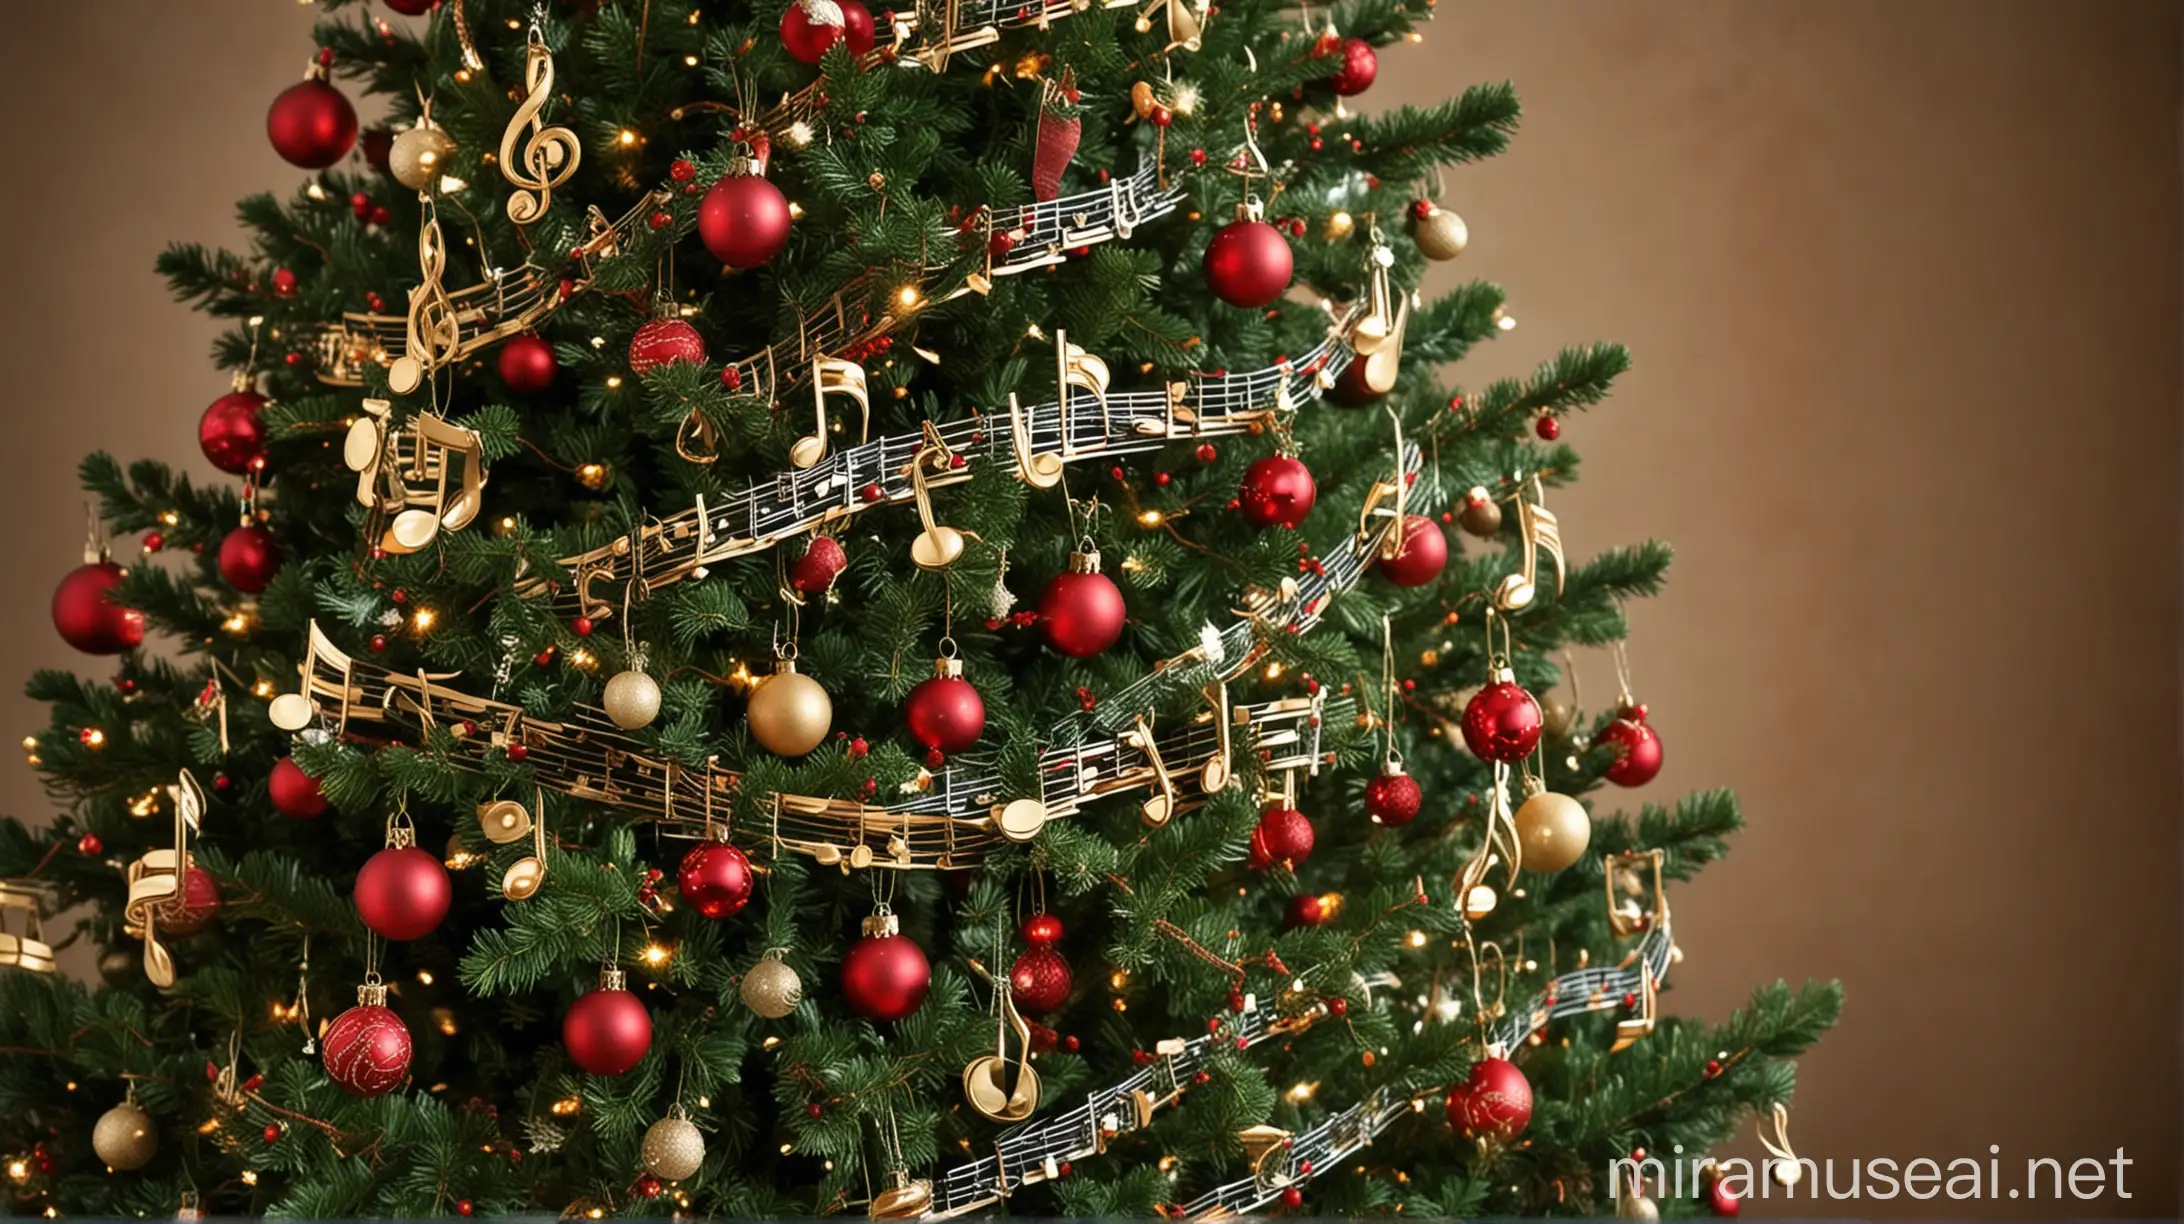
{"x":424,"y":977}
{"x":1149,"y":518}
{"x":614,"y":382}
{"x":1274,"y":671}
{"x":263,"y":688}
{"x":566,"y":1106}
{"x":909,"y":296}
{"x":1416,"y":939}
{"x":30,"y":743}
{"x":626,"y":138}
{"x":1301,"y":1091}
{"x":656,"y":955}
{"x":237,"y":623}
{"x":93,"y":738}
{"x":422,"y":619}
{"x":19,"y":1170}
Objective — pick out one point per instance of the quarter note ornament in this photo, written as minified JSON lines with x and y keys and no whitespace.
{"x":403,"y":476}
{"x":997,"y":1094}
{"x":534,"y":157}
{"x":1537,"y":531}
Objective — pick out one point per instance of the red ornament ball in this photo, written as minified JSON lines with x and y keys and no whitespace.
{"x":1284,"y":835}
{"x":885,"y":977}
{"x":1350,"y":389}
{"x":714,"y":879}
{"x":410,"y":8}
{"x":87,"y":619}
{"x":744,"y":219}
{"x":195,"y":908}
{"x":230,"y":433}
{"x":1039,"y":981}
{"x":1419,"y":556}
{"x":1305,"y":910}
{"x":311,"y":124}
{"x":1081,"y":614}
{"x":1547,"y":428}
{"x":1721,"y":1198}
{"x":403,"y":892}
{"x":607,"y":1031}
{"x":1277,"y":490}
{"x":1360,"y":64}
{"x":664,"y":342}
{"x":526,"y":363}
{"x":89,"y":845}
{"x":295,"y":793}
{"x":945,"y":713}
{"x":1501,"y":722}
{"x":823,"y":561}
{"x":1638,"y":748}
{"x":1247,"y":263}
{"x":809,"y":27}
{"x":367,"y":1050}
{"x":272,"y":1132}
{"x":1042,"y":930}
{"x":1393,"y":799}
{"x":249,"y":558}
{"x":1495,"y":1100}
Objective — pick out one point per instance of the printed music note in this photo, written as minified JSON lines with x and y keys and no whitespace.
{"x":433,"y":332}
{"x":1039,"y":469}
{"x":550,"y":154}
{"x":831,"y":376}
{"x":1160,"y":805}
{"x":986,"y":1082}
{"x":1215,"y":774}
{"x":1537,"y":529}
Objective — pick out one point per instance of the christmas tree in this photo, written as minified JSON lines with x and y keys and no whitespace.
{"x":835,"y":611}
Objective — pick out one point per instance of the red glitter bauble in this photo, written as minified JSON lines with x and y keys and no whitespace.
{"x":607,"y":1031}
{"x":526,"y":363}
{"x":195,"y":908}
{"x":823,"y":561}
{"x":1248,"y":263}
{"x":1039,"y":981}
{"x":295,"y":793}
{"x":1360,"y":64}
{"x":744,"y":219}
{"x":249,"y":558}
{"x":403,"y":892}
{"x":311,"y":124}
{"x":1420,"y":556}
{"x":367,"y":1050}
{"x":1501,"y":722}
{"x":809,"y":27}
{"x":1284,"y":835}
{"x":230,"y":433}
{"x":885,"y":977}
{"x":1277,"y":490}
{"x":1393,"y":799}
{"x":89,"y":621}
{"x":665,"y":342}
{"x":1042,"y":930}
{"x":1495,"y":1100}
{"x":1081,"y":614}
{"x":714,"y":879}
{"x":945,"y":713}
{"x":1638,"y":748}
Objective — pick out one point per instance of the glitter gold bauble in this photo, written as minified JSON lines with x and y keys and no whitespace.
{"x":673,"y":1148}
{"x":1554,"y":831}
{"x":124,"y":1137}
{"x":632,"y":700}
{"x":771,"y":988}
{"x":1439,"y":233}
{"x":789,"y":713}
{"x":420,"y":156}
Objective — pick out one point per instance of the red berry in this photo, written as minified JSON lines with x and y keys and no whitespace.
{"x":380,"y":215}
{"x":649,"y":1187}
{"x":89,"y":843}
{"x":1207,"y":453}
{"x":1162,"y":479}
{"x":1547,"y":428}
{"x":581,"y":626}
{"x":1291,"y":1196}
{"x":272,"y":1132}
{"x":378,"y":643}
{"x":1338,"y":1007}
{"x":659,"y":220}
{"x":464,"y":1207}
{"x":284,"y":282}
{"x":814,"y":1109}
{"x":1070,"y":1044}
{"x":516,"y":753}
{"x":221,"y":782}
{"x":682,"y":171}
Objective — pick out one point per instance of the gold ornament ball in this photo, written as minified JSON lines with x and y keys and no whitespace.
{"x":772,"y":989}
{"x":1638,"y":1207}
{"x":1340,"y":225}
{"x":1440,"y":234}
{"x":419,"y":157}
{"x":632,"y":700}
{"x":673,"y":1149}
{"x":1785,"y":1173}
{"x":125,"y":1137}
{"x":1481,"y":515}
{"x":1557,"y":716}
{"x":789,"y":713}
{"x":595,"y":475}
{"x":1554,"y":831}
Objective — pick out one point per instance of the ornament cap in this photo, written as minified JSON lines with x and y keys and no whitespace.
{"x":947,"y":667}
{"x":244,"y":380}
{"x":784,"y":667}
{"x":882,"y":925}
{"x":1086,"y":560}
{"x":1501,"y":674}
{"x":613,"y":979}
{"x":371,"y":994}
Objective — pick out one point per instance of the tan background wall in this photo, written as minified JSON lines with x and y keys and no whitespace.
{"x":1903,"y":285}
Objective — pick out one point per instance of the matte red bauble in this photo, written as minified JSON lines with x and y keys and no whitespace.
{"x":1039,"y":981}
{"x":1360,"y":64}
{"x":1284,"y":835}
{"x":1277,"y":490}
{"x":311,"y":124}
{"x":665,"y":342}
{"x":1495,"y":1100}
{"x":527,"y":363}
{"x":230,"y":433}
{"x":403,"y":892}
{"x":1393,"y":799}
{"x":1350,"y":389}
{"x":1421,"y":554}
{"x":1247,"y":263}
{"x":744,"y":219}
{"x":607,"y":1031}
{"x":1305,"y":910}
{"x":1722,"y":1198}
{"x":296,"y":794}
{"x":945,"y":712}
{"x":714,"y":879}
{"x":195,"y":908}
{"x":823,"y":561}
{"x":885,"y":975}
{"x":1081,"y":611}
{"x":249,"y":558}
{"x":367,"y":1049}
{"x":1041,"y":930}
{"x":86,"y":619}
{"x":1639,"y":748}
{"x":809,"y":27}
{"x":1501,"y":722}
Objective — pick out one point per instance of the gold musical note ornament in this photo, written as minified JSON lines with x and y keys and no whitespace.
{"x":29,"y":949}
{"x":987,"y":1084}
{"x":549,"y":155}
{"x":167,"y":890}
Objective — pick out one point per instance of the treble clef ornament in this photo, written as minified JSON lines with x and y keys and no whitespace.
{"x":550,"y":154}
{"x":434,"y":334}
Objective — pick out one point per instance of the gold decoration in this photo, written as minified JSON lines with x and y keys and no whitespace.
{"x":402,"y":477}
{"x":986,"y":1081}
{"x":421,"y":153}
{"x":28,"y":950}
{"x":1481,"y":515}
{"x":550,"y":154}
{"x":125,"y":1137}
{"x":1636,"y":1206}
{"x":1440,"y":234}
{"x":1479,"y":901}
{"x":632,"y":699}
{"x":595,"y":476}
{"x":156,"y":881}
{"x":674,"y":1148}
{"x":772,"y":988}
{"x":789,"y":713}
{"x":1557,"y":716}
{"x":1340,"y":225}
{"x":1553,"y":829}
